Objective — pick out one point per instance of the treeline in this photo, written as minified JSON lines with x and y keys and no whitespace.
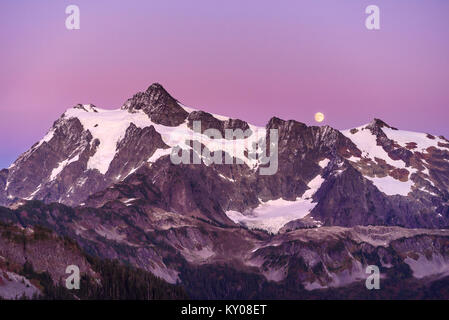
{"x":120,"y":282}
{"x":116,"y":282}
{"x":226,"y":282}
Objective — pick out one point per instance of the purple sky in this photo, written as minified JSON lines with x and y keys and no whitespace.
{"x":245,"y":59}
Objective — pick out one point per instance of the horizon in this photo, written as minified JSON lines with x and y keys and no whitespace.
{"x":184,"y":105}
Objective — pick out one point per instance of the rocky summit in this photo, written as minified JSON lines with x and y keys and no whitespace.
{"x":339,"y":201}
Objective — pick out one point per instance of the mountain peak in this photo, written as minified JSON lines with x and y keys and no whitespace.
{"x":86,"y":107}
{"x":156,"y":87}
{"x":158,"y":104}
{"x":159,"y":97}
{"x":378,"y":123}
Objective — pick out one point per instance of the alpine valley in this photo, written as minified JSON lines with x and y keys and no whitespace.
{"x":100,"y":191}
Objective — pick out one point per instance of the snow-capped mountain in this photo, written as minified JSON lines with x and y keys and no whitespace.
{"x":373,"y":174}
{"x":338,"y":202}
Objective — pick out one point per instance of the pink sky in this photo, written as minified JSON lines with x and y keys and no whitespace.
{"x":246,"y":59}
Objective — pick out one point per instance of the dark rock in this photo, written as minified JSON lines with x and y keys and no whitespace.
{"x":159,"y":105}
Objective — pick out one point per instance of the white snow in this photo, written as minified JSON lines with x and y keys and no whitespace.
{"x":30,"y":197}
{"x":14,"y":286}
{"x":423,"y":267}
{"x":46,"y":138}
{"x":190,"y":109}
{"x":323,"y":163}
{"x":353,"y":159}
{"x":366,"y":142}
{"x":274,"y":214}
{"x":391,"y":186}
{"x":423,"y":189}
{"x":130,"y":173}
{"x":159,"y":153}
{"x":61,"y":166}
{"x":128,"y":201}
{"x":222,"y":118}
{"x":313,"y":185}
{"x":402,"y":137}
{"x":109,"y":127}
{"x":226,"y":178}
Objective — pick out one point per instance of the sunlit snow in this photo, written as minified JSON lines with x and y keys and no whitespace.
{"x":109,"y":127}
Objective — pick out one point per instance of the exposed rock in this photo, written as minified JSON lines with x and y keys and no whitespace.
{"x":59,"y":168}
{"x":306,"y":259}
{"x":159,"y":105}
{"x":208,"y":121}
{"x":134,"y":150}
{"x":304,"y":223}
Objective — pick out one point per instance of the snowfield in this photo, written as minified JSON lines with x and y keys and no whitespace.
{"x":109,"y":127}
{"x":422,"y":140}
{"x":366,"y":142}
{"x":274,"y":214}
{"x":391,"y":186}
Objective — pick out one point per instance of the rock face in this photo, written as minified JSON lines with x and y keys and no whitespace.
{"x":176,"y":247}
{"x":338,"y":201}
{"x":27,"y":252}
{"x":159,"y":105}
{"x":208,"y":121}
{"x":56,"y":169}
{"x":37,"y":246}
{"x":374,"y":174}
{"x":137,"y":145}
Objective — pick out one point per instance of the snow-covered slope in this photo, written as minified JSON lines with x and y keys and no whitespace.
{"x":366,"y":141}
{"x":109,"y":127}
{"x":90,"y":149}
{"x":393,"y":159}
{"x":274,"y":214}
{"x":15,"y":287}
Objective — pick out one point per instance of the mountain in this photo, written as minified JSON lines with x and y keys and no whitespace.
{"x":210,"y":261}
{"x":33,"y":265}
{"x":373,"y":174}
{"x":326,"y":204}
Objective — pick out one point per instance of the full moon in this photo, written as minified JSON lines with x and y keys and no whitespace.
{"x":319,"y":117}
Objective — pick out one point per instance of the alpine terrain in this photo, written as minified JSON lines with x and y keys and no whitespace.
{"x":101,"y":191}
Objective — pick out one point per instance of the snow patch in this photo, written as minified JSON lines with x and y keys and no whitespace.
{"x":226,"y":178}
{"x":110,"y":234}
{"x":109,"y":127}
{"x":423,"y":267}
{"x":14,"y":286}
{"x":158,"y":154}
{"x":128,"y":201}
{"x":274,"y":214}
{"x":30,"y":197}
{"x":323,"y":163}
{"x":391,"y":186}
{"x":366,"y":142}
{"x":61,"y":166}
{"x":422,"y":140}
